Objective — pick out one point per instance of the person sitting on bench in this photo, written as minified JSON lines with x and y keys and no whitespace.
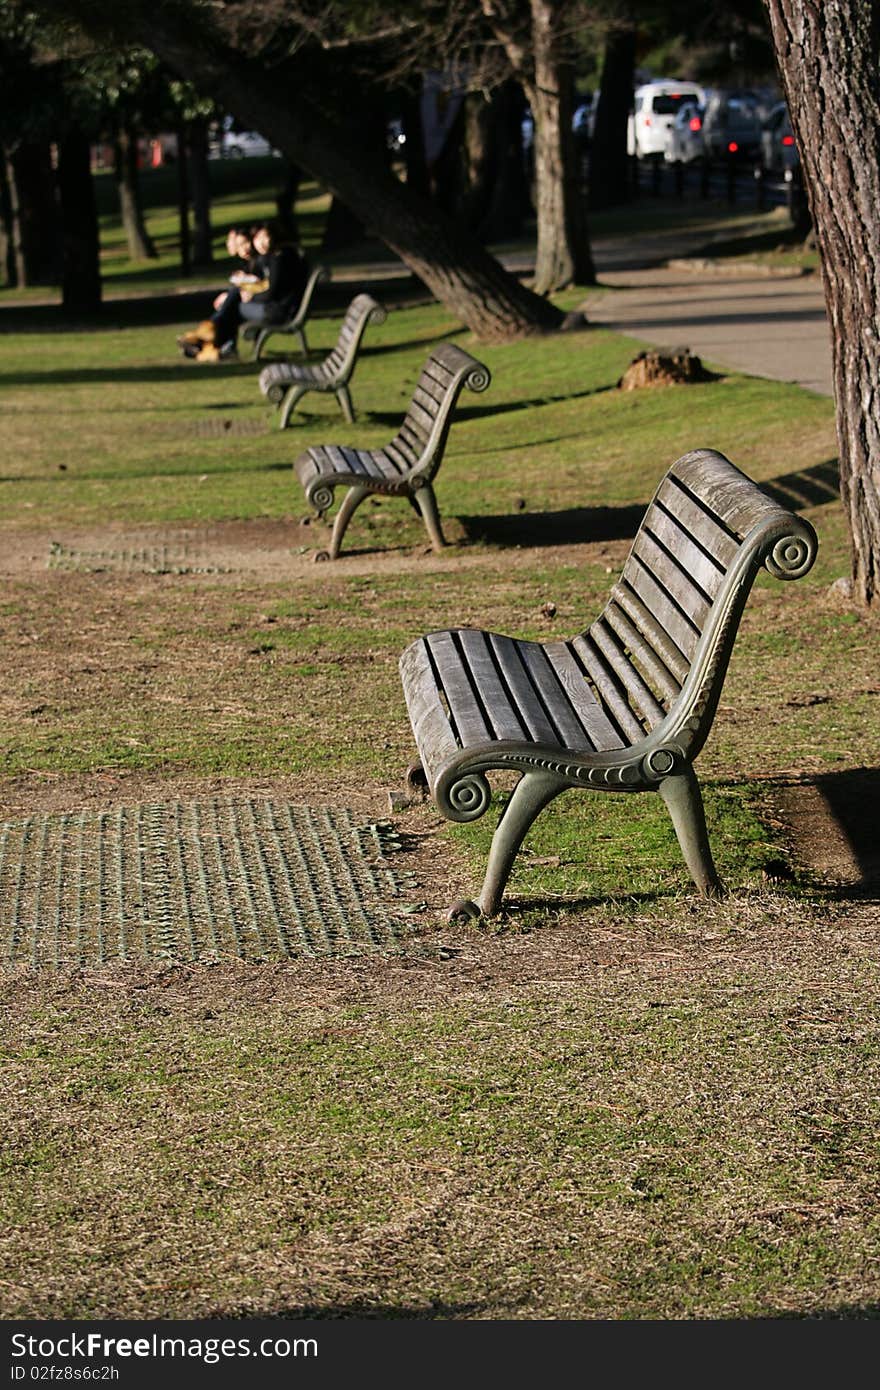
{"x":283,"y":272}
{"x":238,"y":243}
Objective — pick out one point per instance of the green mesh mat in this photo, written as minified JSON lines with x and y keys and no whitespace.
{"x":254,"y":879}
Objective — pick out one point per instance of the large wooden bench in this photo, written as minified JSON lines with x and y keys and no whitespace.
{"x":284,"y":383}
{"x":404,"y":468}
{"x":260,"y":333}
{"x":625,"y":706}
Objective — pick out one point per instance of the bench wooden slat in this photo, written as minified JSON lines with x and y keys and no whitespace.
{"x":656,"y":636}
{"x":466,"y":714}
{"x":705,"y":572}
{"x":610,"y":692}
{"x":680,"y":631}
{"x":551,"y":691}
{"x":599,"y":730}
{"x":434,"y":737}
{"x":430,"y":395}
{"x":522,"y":690}
{"x":647,"y":707}
{"x":493,"y":696}
{"x":664,"y":569}
{"x":702,"y":525}
{"x":642,"y":652}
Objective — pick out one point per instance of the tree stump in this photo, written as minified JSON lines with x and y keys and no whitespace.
{"x":675,"y":367}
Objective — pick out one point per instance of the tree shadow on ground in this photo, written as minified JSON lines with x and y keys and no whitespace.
{"x":853,"y":802}
{"x":487,"y":411}
{"x":173,"y":307}
{"x":809,"y":487}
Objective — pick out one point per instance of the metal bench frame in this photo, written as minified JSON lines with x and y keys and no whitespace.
{"x":285,"y":383}
{"x":625,"y":706}
{"x":260,"y":333}
{"x":408,"y":464}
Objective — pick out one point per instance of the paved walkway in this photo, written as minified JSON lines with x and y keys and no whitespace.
{"x":767,"y":325}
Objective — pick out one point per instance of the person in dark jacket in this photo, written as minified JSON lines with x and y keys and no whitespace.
{"x":283,"y":272}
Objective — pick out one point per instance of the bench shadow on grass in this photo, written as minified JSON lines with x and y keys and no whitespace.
{"x":808,"y":487}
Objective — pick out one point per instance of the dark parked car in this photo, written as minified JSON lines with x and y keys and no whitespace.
{"x":732,"y":128}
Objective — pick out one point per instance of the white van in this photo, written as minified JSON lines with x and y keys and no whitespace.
{"x":655,"y":106}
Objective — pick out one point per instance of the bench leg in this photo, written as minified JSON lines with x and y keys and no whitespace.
{"x":301,"y":334}
{"x":294,"y":393}
{"x":532,"y":793}
{"x":426,"y":504}
{"x":259,"y":343}
{"x":684,"y":801}
{"x":350,"y":501}
{"x":344,"y":398}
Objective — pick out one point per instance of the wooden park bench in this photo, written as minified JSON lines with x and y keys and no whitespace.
{"x":405,"y":467}
{"x":625,"y":706}
{"x":260,"y":333}
{"x":284,"y":383}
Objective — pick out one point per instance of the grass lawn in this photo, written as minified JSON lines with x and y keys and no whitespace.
{"x":617,"y":1101}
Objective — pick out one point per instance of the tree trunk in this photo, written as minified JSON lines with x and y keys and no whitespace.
{"x":609,"y":175}
{"x":81,"y":274}
{"x":509,"y":203}
{"x":7,"y":253}
{"x":464,"y":277}
{"x":34,"y":210}
{"x":563,"y":255}
{"x":125,"y":161}
{"x":15,"y":268}
{"x":342,"y":229}
{"x":200,"y":192}
{"x":183,"y":201}
{"x":827,"y":56}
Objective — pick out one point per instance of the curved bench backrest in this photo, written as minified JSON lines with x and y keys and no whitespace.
{"x":320,"y":272}
{"x":339,"y":364}
{"x":421,"y":438}
{"x":660,"y":649}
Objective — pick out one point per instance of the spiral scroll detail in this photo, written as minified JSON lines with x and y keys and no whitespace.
{"x":469,"y":797}
{"x":478,"y":378}
{"x":321,"y":497}
{"x":790,"y":557}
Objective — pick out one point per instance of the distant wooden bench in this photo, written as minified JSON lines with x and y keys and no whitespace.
{"x":406,"y":467}
{"x":628,"y":704}
{"x":284,"y":383}
{"x":260,"y":333}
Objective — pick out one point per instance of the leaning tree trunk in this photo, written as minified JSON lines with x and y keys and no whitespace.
{"x":81,"y":275}
{"x":609,"y":176}
{"x":828,"y":59}
{"x":285,"y":201}
{"x":458,"y":272}
{"x":125,"y":162}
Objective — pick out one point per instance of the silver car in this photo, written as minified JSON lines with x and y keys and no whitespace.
{"x":779,"y":153}
{"x":685,"y":143}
